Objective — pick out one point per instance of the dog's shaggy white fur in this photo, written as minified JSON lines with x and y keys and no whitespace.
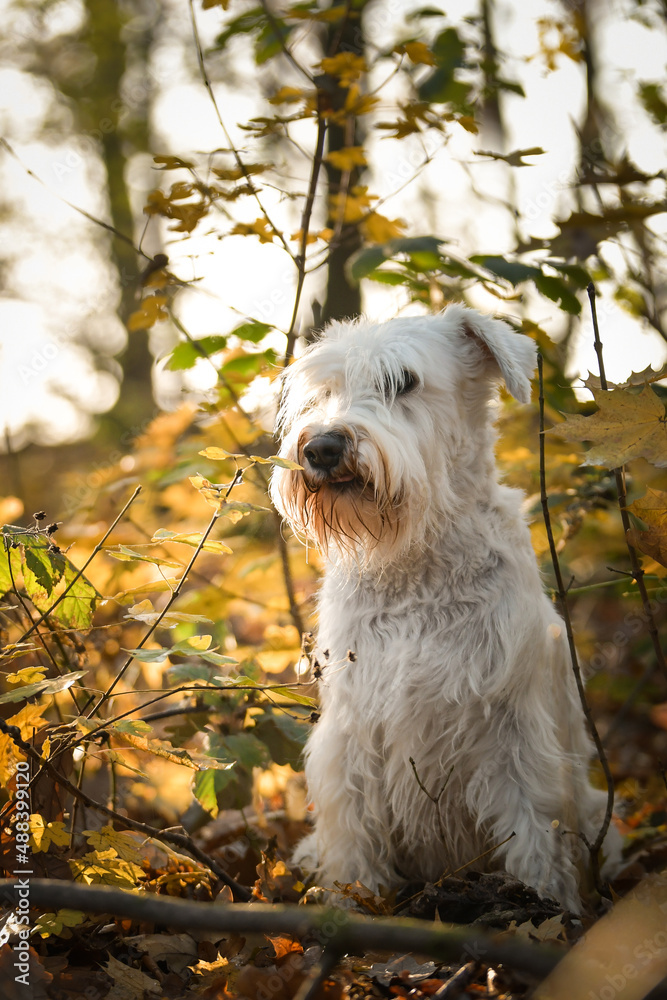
{"x":438,"y":643}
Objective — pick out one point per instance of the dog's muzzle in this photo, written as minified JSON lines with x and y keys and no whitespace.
{"x":325,"y":454}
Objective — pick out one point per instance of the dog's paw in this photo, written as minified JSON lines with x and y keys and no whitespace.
{"x":305,"y":855}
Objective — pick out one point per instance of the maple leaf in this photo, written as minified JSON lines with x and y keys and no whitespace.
{"x":627,"y":425}
{"x":105,"y":868}
{"x":124,"y":844}
{"x":652,"y":510}
{"x":42,"y":834}
{"x":54,"y":923}
{"x":645,"y":377}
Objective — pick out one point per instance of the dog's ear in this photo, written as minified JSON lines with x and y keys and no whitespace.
{"x":513,"y":353}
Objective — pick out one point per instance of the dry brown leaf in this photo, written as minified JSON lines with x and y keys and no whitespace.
{"x":652,"y":509}
{"x":627,"y":425}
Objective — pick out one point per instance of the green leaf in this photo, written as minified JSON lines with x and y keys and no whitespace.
{"x":365,"y":261}
{"x":557,"y":291}
{"x":248,"y":364}
{"x":133,"y":726}
{"x":148,"y":655}
{"x":5,"y":555}
{"x":208,"y":785}
{"x":52,"y":686}
{"x":271,"y":39}
{"x":577,"y":275}
{"x":284,"y":736}
{"x":246,"y":750}
{"x":254,"y":331}
{"x":125,"y":554}
{"x":41,"y":571}
{"x":188,"y":353}
{"x":244,"y":24}
{"x":511,"y":271}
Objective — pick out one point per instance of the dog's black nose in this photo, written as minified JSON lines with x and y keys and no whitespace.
{"x":325,"y":451}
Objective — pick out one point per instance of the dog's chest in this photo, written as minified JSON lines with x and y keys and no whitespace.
{"x":415,"y":643}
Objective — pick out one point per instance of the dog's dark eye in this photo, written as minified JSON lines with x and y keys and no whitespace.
{"x":400,"y":386}
{"x":408,"y":382}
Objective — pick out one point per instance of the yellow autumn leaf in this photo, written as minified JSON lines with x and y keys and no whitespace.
{"x":197,"y":643}
{"x":42,"y":834}
{"x":260,"y":227}
{"x":28,"y":720}
{"x":218,"y":454}
{"x":355,"y":205}
{"x":53,"y":923}
{"x":417,"y":52}
{"x":652,"y":510}
{"x":346,"y":66}
{"x":347,"y":158}
{"x":298,"y":237}
{"x":27,"y":676}
{"x":357,"y":103}
{"x":152,"y":311}
{"x":627,"y":425}
{"x":123,"y":844}
{"x":287,"y":95}
{"x":105,"y":868}
{"x":379,"y":229}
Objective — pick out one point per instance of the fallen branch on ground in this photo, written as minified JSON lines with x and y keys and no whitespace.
{"x":337,"y":930}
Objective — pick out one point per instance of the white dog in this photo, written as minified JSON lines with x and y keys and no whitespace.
{"x":438,"y":643}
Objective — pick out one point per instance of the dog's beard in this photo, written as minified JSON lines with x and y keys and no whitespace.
{"x":349,"y":514}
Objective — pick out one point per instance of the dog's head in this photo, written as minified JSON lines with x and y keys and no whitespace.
{"x":390,"y":423}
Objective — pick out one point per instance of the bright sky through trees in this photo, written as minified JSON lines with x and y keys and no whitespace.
{"x":60,"y":291}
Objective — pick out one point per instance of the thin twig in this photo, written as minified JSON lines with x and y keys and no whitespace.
{"x":310,"y":987}
{"x":28,"y":615}
{"x":458,"y":982}
{"x":283,"y":44}
{"x":235,"y":153}
{"x":91,"y":218}
{"x":306,"y":215}
{"x":593,"y":848}
{"x":80,"y":572}
{"x":178,"y":839}
{"x":295,"y":611}
{"x":619,"y":476}
{"x":174,"y":594}
{"x":435,"y":799}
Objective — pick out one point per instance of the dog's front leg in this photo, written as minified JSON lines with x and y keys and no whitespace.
{"x":522,"y":793}
{"x":351,"y":838}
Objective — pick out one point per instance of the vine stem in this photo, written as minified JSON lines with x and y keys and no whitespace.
{"x":80,"y":573}
{"x":561,"y":596}
{"x":619,"y":476}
